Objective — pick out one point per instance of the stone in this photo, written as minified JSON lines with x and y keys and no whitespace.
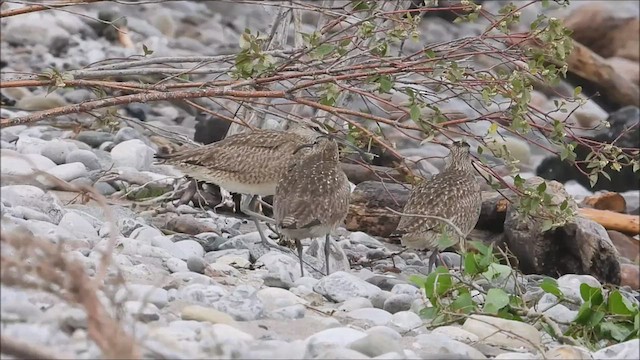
{"x":496,"y":331}
{"x":57,"y":150}
{"x":355,"y":303}
{"x":29,"y":145}
{"x":340,"y":286}
{"x":385,"y":331}
{"x":629,"y":349}
{"x":127,"y":133}
{"x":456,"y":333}
{"x":570,"y":285}
{"x":33,"y":198}
{"x":196,"y":264}
{"x":189,"y":248}
{"x":397,"y":303}
{"x":340,"y":353}
{"x":85,"y":157}
{"x":40,"y":102}
{"x":176,"y":265}
{"x":359,"y":237}
{"x":275,"y":298}
{"x":282,"y":267}
{"x":406,"y":289}
{"x":539,"y":252}
{"x":143,"y":311}
{"x":428,"y":345}
{"x":371,"y":315}
{"x":78,"y":225}
{"x":288,"y":312}
{"x":516,"y":356}
{"x":201,"y":313}
{"x":94,"y":138}
{"x":68,"y":172}
{"x":630,"y":276}
{"x":375,"y":344}
{"x":242,"y":304}
{"x":13,"y":163}
{"x":221,"y":270}
{"x":133,"y":153}
{"x":568,"y":352}
{"x":404,"y":321}
{"x":380,"y":298}
{"x":331,"y":338}
{"x":202,"y":294}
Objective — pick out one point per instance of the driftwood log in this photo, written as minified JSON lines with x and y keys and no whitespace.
{"x":369,"y":200}
{"x":358,"y":173}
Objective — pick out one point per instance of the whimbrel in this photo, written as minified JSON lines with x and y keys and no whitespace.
{"x":454,"y":194}
{"x":312,"y":198}
{"x":247,"y":163}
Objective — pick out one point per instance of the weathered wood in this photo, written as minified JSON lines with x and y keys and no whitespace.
{"x":367,"y":208}
{"x":628,"y":224}
{"x":606,"y":201}
{"x":358,"y":173}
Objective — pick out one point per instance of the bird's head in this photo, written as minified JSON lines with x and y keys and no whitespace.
{"x":460,"y":155}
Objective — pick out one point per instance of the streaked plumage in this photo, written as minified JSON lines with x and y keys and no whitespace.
{"x":312,"y":198}
{"x":453,"y":194}
{"x":248,"y":163}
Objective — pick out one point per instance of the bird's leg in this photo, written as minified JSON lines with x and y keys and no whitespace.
{"x":264,"y":203}
{"x":299,"y":248}
{"x":327,"y":248}
{"x":244,"y":207}
{"x":432,"y":260}
{"x":189,"y":192}
{"x":247,"y":207}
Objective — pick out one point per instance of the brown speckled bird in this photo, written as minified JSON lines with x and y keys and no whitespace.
{"x":312,"y":198}
{"x":454,"y":194}
{"x":248,"y":163}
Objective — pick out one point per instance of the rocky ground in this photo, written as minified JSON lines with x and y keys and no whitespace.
{"x":196,"y":283}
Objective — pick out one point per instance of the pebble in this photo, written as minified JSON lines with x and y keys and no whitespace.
{"x":404,"y":321}
{"x":68,"y":172}
{"x":495,"y":331}
{"x":375,"y":344}
{"x":355,"y":303}
{"x":569,"y":352}
{"x":176,"y":265}
{"x":86,"y":157}
{"x":371,"y":315}
{"x":330,"y":338}
{"x":78,"y":225}
{"x":133,"y":153}
{"x":396,"y":303}
{"x":196,"y":264}
{"x":437,"y":344}
{"x":57,"y":150}
{"x":189,"y":248}
{"x":94,"y":138}
{"x":201,"y":313}
{"x":629,"y":349}
{"x":340,"y":286}
{"x":242,"y":304}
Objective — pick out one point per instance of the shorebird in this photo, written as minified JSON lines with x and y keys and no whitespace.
{"x":454,"y":195}
{"x":248,"y":163}
{"x":312,"y":198}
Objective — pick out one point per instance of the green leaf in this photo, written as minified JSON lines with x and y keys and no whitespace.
{"x":577,"y":91}
{"x":542,"y":187}
{"x":470,"y":264}
{"x":360,"y":5}
{"x":550,"y":286}
{"x":495,"y":300}
{"x":324,"y":50}
{"x":584,"y":313}
{"x":498,"y":271}
{"x":414,"y":111}
{"x":438,"y":283}
{"x":430,"y":54}
{"x":463,"y":303}
{"x":417,"y":280}
{"x":615,"y":331}
{"x":385,"y":84}
{"x":591,"y":294}
{"x":429,"y":312}
{"x":146,"y":51}
{"x":619,"y":305}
